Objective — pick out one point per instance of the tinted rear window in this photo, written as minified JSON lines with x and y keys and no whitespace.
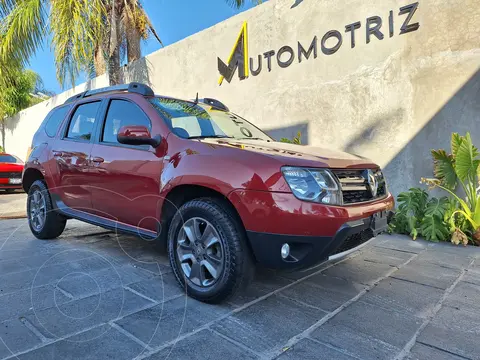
{"x":55,"y":119}
{"x":10,"y":159}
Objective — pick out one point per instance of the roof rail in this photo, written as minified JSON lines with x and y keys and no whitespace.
{"x":133,"y":87}
{"x":214,"y":102}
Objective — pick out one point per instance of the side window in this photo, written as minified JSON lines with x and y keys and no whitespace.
{"x":121,"y":113}
{"x":83,"y":121}
{"x":55,"y":119}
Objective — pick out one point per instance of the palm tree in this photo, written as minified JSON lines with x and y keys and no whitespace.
{"x":87,"y":35}
{"x":129,"y":24}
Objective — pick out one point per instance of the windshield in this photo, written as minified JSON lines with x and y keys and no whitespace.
{"x":10,"y":159}
{"x":189,"y":120}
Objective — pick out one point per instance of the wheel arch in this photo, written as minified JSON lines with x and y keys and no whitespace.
{"x":29,"y":177}
{"x":183,"y":193}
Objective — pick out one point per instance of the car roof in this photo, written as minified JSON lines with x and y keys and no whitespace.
{"x":140,"y":89}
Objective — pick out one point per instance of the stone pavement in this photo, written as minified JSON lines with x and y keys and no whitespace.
{"x":93,"y":295}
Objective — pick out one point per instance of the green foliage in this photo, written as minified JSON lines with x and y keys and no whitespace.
{"x":433,"y":228}
{"x":413,"y":202}
{"x":16,"y":92}
{"x":462,"y":166}
{"x":418,"y":215}
{"x":16,"y":95}
{"x":443,"y":168}
{"x":75,"y":25}
{"x":296,"y":139}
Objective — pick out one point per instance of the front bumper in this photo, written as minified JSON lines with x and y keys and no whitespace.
{"x":315,"y":232}
{"x":307,"y":251}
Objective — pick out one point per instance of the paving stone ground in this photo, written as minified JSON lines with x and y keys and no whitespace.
{"x":92,"y":294}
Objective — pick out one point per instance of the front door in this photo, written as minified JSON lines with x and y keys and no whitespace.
{"x":72,"y":158}
{"x":126,"y":178}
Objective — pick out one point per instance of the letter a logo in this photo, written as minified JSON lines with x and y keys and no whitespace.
{"x":238,"y":59}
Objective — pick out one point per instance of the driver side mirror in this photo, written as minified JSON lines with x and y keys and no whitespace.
{"x":137,"y":135}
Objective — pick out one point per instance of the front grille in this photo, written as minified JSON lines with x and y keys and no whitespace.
{"x":354,"y":240}
{"x":10,"y":175}
{"x":356,"y":185}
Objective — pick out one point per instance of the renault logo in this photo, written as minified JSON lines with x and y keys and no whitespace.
{"x":372,"y":182}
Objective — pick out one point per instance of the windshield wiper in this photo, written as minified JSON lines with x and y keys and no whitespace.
{"x":210,"y":136}
{"x":252,"y":138}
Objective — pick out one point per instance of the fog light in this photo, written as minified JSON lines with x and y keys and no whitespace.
{"x":285,"y":251}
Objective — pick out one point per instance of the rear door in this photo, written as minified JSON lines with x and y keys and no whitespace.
{"x":71,"y":154}
{"x":126,"y":178}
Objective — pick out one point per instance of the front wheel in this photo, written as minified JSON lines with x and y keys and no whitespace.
{"x":44,"y":221}
{"x":208,"y":252}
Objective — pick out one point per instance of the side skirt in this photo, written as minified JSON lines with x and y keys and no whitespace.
{"x":101,"y":221}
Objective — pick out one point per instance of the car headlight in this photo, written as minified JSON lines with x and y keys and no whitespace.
{"x":317,"y":185}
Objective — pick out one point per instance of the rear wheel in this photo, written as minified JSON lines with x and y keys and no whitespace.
{"x":9,"y":191}
{"x":208,"y":252}
{"x":44,"y":221}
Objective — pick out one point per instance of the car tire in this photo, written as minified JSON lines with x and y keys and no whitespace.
{"x":44,"y":221}
{"x":9,"y":191}
{"x":229,"y":246}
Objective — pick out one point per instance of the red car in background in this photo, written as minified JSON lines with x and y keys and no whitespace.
{"x":11,"y":168}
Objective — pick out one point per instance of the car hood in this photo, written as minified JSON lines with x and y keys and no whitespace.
{"x":297,"y":155}
{"x":11,"y":167}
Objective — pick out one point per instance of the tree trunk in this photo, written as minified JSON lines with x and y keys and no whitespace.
{"x":133,"y":44}
{"x":99,"y":61}
{"x":114,"y":68}
{"x":114,"y":56}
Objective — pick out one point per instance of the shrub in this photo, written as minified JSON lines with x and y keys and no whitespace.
{"x":417,"y":214}
{"x":462,"y":167}
{"x":296,"y":139}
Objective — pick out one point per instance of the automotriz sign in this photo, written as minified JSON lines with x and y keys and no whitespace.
{"x":286,"y":55}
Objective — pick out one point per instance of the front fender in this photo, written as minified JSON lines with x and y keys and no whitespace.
{"x":205,"y":170}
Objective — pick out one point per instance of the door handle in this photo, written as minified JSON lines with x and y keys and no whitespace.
{"x":57,"y":154}
{"x":98,"y":159}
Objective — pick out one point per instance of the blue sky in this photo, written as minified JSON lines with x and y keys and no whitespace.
{"x":173,"y":19}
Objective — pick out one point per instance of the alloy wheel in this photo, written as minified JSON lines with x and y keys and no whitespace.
{"x":38,"y":210}
{"x":200,"y":252}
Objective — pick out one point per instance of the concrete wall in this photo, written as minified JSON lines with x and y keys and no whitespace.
{"x":391,"y":100}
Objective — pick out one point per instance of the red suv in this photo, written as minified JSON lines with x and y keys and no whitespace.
{"x":212,"y":188}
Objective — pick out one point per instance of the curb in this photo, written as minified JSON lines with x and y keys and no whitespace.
{"x":12,"y":216}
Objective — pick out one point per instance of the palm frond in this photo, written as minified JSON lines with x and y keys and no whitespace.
{"x":22,"y":29}
{"x":240,"y":3}
{"x":76,"y":26}
{"x":152,"y":29}
{"x":6,"y":6}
